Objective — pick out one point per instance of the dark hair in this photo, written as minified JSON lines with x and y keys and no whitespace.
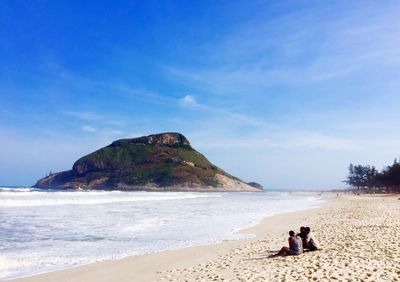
{"x":302,"y":229}
{"x":307,"y":229}
{"x":291,"y":233}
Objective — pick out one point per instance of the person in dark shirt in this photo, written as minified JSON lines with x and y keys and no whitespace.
{"x":308,"y":241}
{"x":301,"y":234}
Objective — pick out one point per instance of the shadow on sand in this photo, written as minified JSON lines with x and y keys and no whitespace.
{"x":273,"y":254}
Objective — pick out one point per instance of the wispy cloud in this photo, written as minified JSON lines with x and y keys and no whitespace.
{"x":88,"y":128}
{"x":89,"y":116}
{"x":135,"y":134}
{"x":318,"y":141}
{"x":102,"y":131}
{"x":234,"y":117}
{"x":282,"y":140}
{"x":112,"y":132}
{"x":118,"y":122}
{"x":188,"y":101}
{"x":143,"y":95}
{"x":264,"y":53}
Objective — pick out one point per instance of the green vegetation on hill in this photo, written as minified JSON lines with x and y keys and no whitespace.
{"x":136,"y":164}
{"x":161,"y":160}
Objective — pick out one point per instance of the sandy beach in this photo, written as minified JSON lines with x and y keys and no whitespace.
{"x":358,"y":237}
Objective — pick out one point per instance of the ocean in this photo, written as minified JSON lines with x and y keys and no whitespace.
{"x":45,"y":230}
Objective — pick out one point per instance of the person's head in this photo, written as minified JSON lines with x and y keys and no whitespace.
{"x":307,"y":230}
{"x":291,"y":233}
{"x":302,"y":229}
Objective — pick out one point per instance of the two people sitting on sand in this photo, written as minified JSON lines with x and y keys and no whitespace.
{"x":299,"y":242}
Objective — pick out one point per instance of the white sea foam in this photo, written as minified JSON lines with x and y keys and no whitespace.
{"x":35,"y":198}
{"x":46,"y":230}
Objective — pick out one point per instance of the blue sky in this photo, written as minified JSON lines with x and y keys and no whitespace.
{"x":285,"y":93}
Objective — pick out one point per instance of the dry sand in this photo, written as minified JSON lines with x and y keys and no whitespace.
{"x":359,"y":237}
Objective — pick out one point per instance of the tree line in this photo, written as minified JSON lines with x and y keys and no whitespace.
{"x":368,"y":177}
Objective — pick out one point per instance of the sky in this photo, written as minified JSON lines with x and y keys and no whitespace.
{"x":284,"y":93}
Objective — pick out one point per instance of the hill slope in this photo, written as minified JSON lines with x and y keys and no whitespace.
{"x":156,"y":162}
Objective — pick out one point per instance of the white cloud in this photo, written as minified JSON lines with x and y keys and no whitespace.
{"x":189,"y":101}
{"x":102,"y":131}
{"x":83,"y":115}
{"x":88,"y":128}
{"x":234,"y":117}
{"x":108,"y":131}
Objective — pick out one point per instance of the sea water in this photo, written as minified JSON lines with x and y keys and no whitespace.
{"x":44,"y":230}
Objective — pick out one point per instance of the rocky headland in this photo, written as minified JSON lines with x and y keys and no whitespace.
{"x":159,"y":162}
